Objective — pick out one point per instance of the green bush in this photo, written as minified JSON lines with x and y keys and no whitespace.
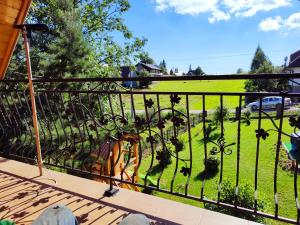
{"x":167,"y":116}
{"x":218,"y":116}
{"x":144,"y":84}
{"x":247,"y":117}
{"x":209,"y":129}
{"x":212,"y":164}
{"x":244,"y":199}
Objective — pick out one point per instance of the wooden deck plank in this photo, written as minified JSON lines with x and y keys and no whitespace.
{"x":24,"y":196}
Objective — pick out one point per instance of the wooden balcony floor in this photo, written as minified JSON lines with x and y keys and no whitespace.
{"x":24,"y":195}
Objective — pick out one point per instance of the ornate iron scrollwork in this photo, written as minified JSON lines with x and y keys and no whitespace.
{"x":221,"y":146}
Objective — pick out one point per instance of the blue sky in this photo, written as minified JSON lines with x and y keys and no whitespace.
{"x":218,"y":35}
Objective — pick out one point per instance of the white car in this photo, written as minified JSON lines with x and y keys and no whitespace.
{"x":270,"y":103}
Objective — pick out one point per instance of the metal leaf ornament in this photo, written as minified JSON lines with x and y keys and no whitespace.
{"x":150,"y":139}
{"x":139,"y":122}
{"x":185,"y":171}
{"x":174,"y":141}
{"x":262,"y":133}
{"x":175,"y":99}
{"x":295,"y":121}
{"x":161,"y":124}
{"x":177,"y":121}
{"x":149,"y":103}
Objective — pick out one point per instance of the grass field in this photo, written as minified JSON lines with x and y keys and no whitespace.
{"x":193,"y":86}
{"x":266,"y":166}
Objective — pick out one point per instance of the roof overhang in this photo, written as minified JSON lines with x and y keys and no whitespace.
{"x":12,"y":12}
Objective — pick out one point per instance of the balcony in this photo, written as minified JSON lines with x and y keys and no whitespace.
{"x":100,"y":137}
{"x":24,"y":195}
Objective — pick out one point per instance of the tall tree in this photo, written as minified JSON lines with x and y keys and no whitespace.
{"x":199,"y":71}
{"x":102,"y":19}
{"x":145,"y":58}
{"x":99,"y":22}
{"x":69,"y":54}
{"x":261,"y":65}
{"x":240,"y":71}
{"x":163,"y":66}
{"x":258,"y":60}
{"x":262,"y":84}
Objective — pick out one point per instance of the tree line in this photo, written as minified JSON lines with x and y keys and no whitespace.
{"x":81,"y":40}
{"x":261,"y":64}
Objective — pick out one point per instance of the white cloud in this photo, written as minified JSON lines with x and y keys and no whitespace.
{"x":276,"y":23}
{"x":190,"y":7}
{"x":270,"y":23}
{"x":218,"y":15}
{"x":220,"y":9}
{"x":248,"y":8}
{"x":293,"y":22}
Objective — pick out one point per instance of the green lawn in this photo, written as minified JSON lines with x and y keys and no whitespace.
{"x":247,"y":167}
{"x":193,"y":86}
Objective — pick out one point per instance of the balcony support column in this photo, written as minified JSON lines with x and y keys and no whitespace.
{"x":33,"y":104}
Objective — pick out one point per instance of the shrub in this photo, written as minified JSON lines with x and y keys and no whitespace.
{"x":244,"y":199}
{"x":212,"y":164}
{"x":208,"y":131}
{"x":144,"y":84}
{"x":247,"y":117}
{"x":167,"y":116}
{"x":195,"y":119}
{"x":178,"y":113}
{"x":218,"y":116}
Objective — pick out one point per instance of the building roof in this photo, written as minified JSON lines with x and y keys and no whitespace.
{"x":150,"y":66}
{"x":295,"y":59}
{"x":12,"y":12}
{"x":125,"y":70}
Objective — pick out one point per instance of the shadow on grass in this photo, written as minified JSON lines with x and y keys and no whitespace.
{"x":212,"y":137}
{"x":147,"y":191}
{"x":209,"y":175}
{"x":157,"y":169}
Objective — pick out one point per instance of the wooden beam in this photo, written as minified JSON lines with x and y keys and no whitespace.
{"x":6,"y":29}
{"x":6,"y":19}
{"x":16,"y":4}
{"x":22,"y":12}
{"x":33,"y":104}
{"x":4,"y":38}
{"x":2,"y":46}
{"x":8,"y":11}
{"x":2,"y":55}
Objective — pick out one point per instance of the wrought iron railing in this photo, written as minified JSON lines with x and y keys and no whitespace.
{"x":187,"y":144}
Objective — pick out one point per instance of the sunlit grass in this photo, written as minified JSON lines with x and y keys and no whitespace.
{"x":192,"y":86}
{"x":248,"y":153}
